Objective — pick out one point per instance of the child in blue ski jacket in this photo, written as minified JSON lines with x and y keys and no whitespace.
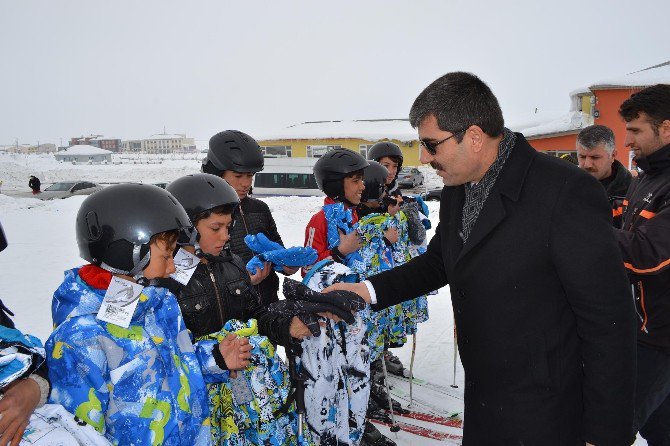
{"x":120,"y":357}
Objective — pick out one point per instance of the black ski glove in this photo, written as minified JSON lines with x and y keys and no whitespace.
{"x":307,"y":312}
{"x":345,"y":301}
{"x":416,"y":230}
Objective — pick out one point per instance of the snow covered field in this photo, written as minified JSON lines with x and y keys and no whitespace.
{"x":42,"y":245}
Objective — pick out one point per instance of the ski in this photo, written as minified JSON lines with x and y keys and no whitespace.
{"x":421,"y":431}
{"x":427,"y":406}
{"x":432,"y":386}
{"x":430,"y":418}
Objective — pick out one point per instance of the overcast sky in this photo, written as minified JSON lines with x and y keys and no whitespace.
{"x":129,"y":68}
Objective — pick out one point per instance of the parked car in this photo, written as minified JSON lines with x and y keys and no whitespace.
{"x":410,"y":177}
{"x":68,"y":189}
{"x":432,"y":194}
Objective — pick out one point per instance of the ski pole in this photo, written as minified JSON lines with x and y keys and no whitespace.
{"x":411,"y":371}
{"x":299,"y":396}
{"x":394,"y":426}
{"x":455,"y":356}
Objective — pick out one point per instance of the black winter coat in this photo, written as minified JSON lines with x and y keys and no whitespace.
{"x":542,"y":305}
{"x":251,"y":217}
{"x":645,"y":243}
{"x":616,"y":186}
{"x":220,"y":291}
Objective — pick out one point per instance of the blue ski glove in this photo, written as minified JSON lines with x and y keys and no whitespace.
{"x":294,"y":257}
{"x":260,"y":243}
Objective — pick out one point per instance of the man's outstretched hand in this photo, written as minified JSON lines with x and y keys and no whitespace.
{"x":358,"y":288}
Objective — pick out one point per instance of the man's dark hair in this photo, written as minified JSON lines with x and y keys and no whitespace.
{"x":594,"y":135}
{"x":459,"y":100}
{"x":653,"y":101}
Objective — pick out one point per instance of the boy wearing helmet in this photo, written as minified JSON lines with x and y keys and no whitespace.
{"x":339,"y":174}
{"x":219,"y":294}
{"x":236,"y":157}
{"x":137,"y":377}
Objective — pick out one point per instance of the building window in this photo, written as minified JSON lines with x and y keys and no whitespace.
{"x":285,"y":180}
{"x":319,"y":151}
{"x":277,"y":151}
{"x":363,"y":150}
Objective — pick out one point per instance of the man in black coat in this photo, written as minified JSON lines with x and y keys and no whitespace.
{"x":596,"y":153}
{"x":541,"y":301}
{"x":644,"y":240}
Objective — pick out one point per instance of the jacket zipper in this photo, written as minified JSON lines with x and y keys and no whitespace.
{"x":244,"y":220}
{"x":644,"y":309}
{"x":218,"y":296}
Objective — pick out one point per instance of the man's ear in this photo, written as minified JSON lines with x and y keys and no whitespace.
{"x":613,"y":154}
{"x":475,"y":136}
{"x":664,"y":131}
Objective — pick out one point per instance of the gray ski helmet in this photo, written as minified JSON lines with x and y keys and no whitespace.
{"x":233,"y":150}
{"x":114,"y":225}
{"x":386,"y":148}
{"x":3,"y":239}
{"x":202,"y":192}
{"x":375,"y":181}
{"x":331,"y":168}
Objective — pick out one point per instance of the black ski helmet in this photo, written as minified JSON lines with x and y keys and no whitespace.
{"x":233,"y":150}
{"x":114,"y":225}
{"x":386,"y":148}
{"x":331,"y":168}
{"x":202,"y":192}
{"x":375,"y":181}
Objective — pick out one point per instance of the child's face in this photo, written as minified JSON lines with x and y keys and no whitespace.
{"x":214,"y":233}
{"x":241,"y":181}
{"x":353,"y":188}
{"x":161,"y":263}
{"x":391,"y":166}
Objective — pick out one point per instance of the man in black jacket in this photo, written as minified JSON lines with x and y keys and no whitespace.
{"x":541,"y":301}
{"x":596,"y":153}
{"x":644,"y":239}
{"x":236,"y":157}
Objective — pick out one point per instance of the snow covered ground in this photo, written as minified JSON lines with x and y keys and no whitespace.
{"x":42,"y":245}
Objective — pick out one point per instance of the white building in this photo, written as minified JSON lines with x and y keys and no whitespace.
{"x":84,"y":154}
{"x":161,"y":143}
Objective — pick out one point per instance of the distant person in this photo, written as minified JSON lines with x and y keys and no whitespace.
{"x":540,"y":297}
{"x":35,"y":184}
{"x":596,"y":153}
{"x":236,"y":157}
{"x":644,"y":239}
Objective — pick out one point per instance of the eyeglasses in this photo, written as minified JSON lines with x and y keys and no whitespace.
{"x":431,"y":147}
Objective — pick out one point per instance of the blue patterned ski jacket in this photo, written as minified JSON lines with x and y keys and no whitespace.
{"x":144,"y":385}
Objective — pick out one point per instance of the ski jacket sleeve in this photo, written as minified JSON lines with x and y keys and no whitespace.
{"x":79,"y":382}
{"x":212,"y":370}
{"x":417,"y":277}
{"x":316,"y":235}
{"x":603,"y":309}
{"x":646,"y":246}
{"x":275,"y":326}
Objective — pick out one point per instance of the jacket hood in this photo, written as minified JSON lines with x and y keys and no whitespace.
{"x":74,"y":297}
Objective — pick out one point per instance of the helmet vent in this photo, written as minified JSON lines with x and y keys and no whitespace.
{"x":94,"y":230}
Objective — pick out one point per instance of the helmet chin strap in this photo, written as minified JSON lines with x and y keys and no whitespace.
{"x":138,"y":264}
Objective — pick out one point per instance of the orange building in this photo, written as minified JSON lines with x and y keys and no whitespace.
{"x":597,"y":104}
